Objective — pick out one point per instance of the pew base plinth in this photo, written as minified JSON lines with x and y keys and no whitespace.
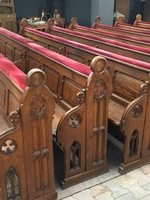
{"x":124,"y":168}
{"x":52,"y":196}
{"x":67,"y":182}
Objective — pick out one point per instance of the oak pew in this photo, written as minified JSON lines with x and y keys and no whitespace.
{"x":15,"y":51}
{"x":113,"y":46}
{"x":21,"y":177}
{"x":119,"y":30}
{"x":115,"y":36}
{"x":138,"y":22}
{"x":121,"y":66}
{"x":120,"y":24}
{"x":66,"y":78}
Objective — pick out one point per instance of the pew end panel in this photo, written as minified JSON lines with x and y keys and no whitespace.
{"x":127,"y":111}
{"x":22,"y":143}
{"x":82,"y":132}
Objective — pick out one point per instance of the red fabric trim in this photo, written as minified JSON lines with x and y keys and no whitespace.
{"x":104,"y":40}
{"x":112,"y":34}
{"x":108,"y":54}
{"x":143,"y":22}
{"x":122,"y":29}
{"x":13,"y":72}
{"x":137,"y":27}
{"x":84,"y":69}
{"x":14,"y":36}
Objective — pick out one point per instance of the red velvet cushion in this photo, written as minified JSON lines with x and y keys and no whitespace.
{"x":14,"y":36}
{"x":137,"y":27}
{"x":122,"y":29}
{"x":106,"y":54}
{"x":118,"y":35}
{"x":84,"y":69}
{"x":104,"y":40}
{"x":13,"y":72}
{"x":147,"y":27}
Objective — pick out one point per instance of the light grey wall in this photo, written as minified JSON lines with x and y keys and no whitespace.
{"x":104,"y":9}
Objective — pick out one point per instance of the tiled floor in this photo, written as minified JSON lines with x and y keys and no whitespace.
{"x":111,"y":185}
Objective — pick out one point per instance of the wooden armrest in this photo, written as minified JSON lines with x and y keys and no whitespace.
{"x":59,"y":112}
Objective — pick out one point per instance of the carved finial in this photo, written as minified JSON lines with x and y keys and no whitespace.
{"x":138,"y":19}
{"x":98,"y":64}
{"x":50,"y":23}
{"x":96,"y":22}
{"x":74,"y":21}
{"x":23,"y":24}
{"x":118,"y":20}
{"x":36,"y":78}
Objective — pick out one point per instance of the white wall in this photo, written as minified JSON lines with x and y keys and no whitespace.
{"x":104,"y":9}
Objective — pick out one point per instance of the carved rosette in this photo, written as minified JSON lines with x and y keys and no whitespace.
{"x":75,"y":121}
{"x":8,"y":147}
{"x":38,"y":107}
{"x":40,"y":154}
{"x":99,"y":90}
{"x":137,"y":111}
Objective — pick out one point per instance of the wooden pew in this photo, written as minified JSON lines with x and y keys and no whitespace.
{"x":119,"y":23}
{"x":133,"y":40}
{"x":124,"y":32}
{"x":117,"y":47}
{"x":66,"y":78}
{"x":125,"y":68}
{"x":29,"y":104}
{"x":138,"y":22}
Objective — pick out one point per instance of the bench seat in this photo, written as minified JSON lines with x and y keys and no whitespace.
{"x":115,"y":112}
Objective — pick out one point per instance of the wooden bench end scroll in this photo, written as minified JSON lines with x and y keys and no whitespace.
{"x":82,"y":132}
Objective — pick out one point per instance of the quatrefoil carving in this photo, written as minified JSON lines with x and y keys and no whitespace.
{"x":8,"y":147}
{"x":75,"y":121}
{"x":137,"y":111}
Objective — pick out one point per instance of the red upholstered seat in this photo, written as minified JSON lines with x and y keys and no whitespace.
{"x":112,"y":34}
{"x":13,"y":72}
{"x":106,"y":54}
{"x":14,"y":36}
{"x":60,"y":58}
{"x":131,"y":30}
{"x":109,"y":41}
